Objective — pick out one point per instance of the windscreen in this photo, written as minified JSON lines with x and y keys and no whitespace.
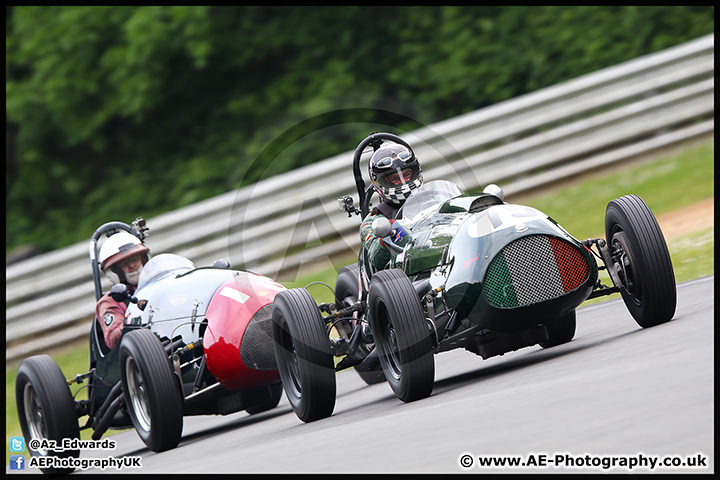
{"x":161,"y":266}
{"x":428,"y":197}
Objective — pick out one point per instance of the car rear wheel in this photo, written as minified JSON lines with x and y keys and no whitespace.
{"x":560,"y":330}
{"x":401,"y":334}
{"x":151,"y":391}
{"x":46,"y":408}
{"x":642,"y":260}
{"x":302,"y":352}
{"x":347,"y":288}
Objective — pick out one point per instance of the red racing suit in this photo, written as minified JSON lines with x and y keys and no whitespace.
{"x":111,"y":315}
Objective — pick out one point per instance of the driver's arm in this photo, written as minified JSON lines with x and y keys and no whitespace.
{"x":111,"y":315}
{"x":378,"y":253}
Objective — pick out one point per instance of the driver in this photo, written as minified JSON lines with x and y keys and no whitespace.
{"x":122,"y":258}
{"x":394,"y":173}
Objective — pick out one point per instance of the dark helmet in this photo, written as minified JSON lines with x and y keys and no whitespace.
{"x":394,"y":172}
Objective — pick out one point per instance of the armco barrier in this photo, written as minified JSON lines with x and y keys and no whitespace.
{"x":599,"y":119}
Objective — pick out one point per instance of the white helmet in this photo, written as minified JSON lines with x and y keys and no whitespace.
{"x":117,"y":248}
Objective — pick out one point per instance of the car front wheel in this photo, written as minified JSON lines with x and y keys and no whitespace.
{"x":302,"y":352}
{"x":151,"y":392}
{"x":46,"y":408}
{"x":642,"y":261}
{"x":401,"y":334}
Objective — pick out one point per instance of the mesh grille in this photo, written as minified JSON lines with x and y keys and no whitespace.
{"x":533,"y":269}
{"x":256,"y":349}
{"x":572,"y":267}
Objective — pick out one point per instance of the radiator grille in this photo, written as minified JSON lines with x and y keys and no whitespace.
{"x":256,"y":349}
{"x":533,"y":269}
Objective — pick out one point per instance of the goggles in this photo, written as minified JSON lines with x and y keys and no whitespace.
{"x":387,"y":162}
{"x":130,"y":261}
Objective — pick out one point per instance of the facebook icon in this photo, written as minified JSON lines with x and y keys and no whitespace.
{"x":17,"y":462}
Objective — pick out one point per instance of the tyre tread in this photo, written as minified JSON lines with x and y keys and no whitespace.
{"x":416,"y":357}
{"x":56,"y":400}
{"x":312,"y":345}
{"x":167,"y":403}
{"x":650,"y":248}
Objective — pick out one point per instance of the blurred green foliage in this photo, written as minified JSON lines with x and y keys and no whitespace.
{"x":119,"y":111}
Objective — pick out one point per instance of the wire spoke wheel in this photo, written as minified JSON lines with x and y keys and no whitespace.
{"x":46,"y":408}
{"x":137,"y":394}
{"x":34,"y":415}
{"x":152,"y":392}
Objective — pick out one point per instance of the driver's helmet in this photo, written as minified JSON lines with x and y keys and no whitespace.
{"x":117,"y":249}
{"x":394,"y":172}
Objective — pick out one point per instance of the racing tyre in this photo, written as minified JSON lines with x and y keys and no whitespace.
{"x":46,"y":408}
{"x":401,"y":334}
{"x":302,"y":352}
{"x":275,"y":393}
{"x":560,"y":330}
{"x":641,"y":258}
{"x":347,"y":285}
{"x":151,"y":392}
{"x":347,"y":288}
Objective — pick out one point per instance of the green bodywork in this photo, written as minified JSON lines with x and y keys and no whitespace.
{"x":454,"y":246}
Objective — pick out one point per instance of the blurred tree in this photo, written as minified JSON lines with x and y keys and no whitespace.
{"x":119,"y":111}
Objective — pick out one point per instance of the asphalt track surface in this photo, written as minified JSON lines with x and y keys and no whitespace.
{"x":616,"y":391}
